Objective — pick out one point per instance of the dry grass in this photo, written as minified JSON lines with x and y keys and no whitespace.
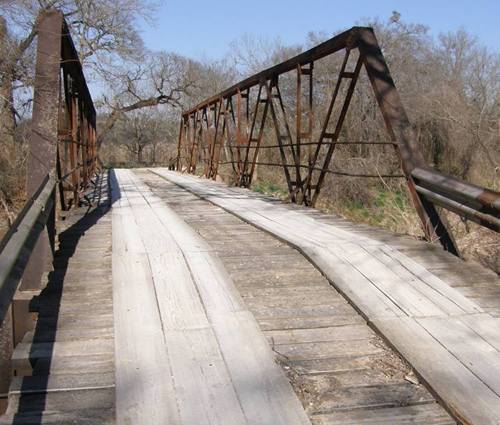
{"x":391,"y":209}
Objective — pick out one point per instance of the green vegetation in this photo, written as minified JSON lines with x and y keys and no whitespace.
{"x":269,"y":188}
{"x":390,"y":209}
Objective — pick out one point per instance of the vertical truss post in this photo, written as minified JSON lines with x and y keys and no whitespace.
{"x":232,"y":136}
{"x":239,"y":136}
{"x":219,"y":135}
{"x":202,"y":132}
{"x":83,"y":142}
{"x":75,"y":173}
{"x":248,"y":175}
{"x":293,"y":186}
{"x":62,"y":146}
{"x":43,"y":142}
{"x":194,"y":143}
{"x":210,"y":136}
{"x":300,"y":134}
{"x":338,"y":127}
{"x":309,"y":186}
{"x":93,"y":149}
{"x":179,"y":144}
{"x":225,"y":135}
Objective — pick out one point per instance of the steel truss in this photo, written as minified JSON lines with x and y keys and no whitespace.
{"x":231,"y":125}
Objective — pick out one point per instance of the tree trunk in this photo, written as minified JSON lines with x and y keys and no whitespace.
{"x":7,"y":112}
{"x":153,"y":154}
{"x":139,"y":155}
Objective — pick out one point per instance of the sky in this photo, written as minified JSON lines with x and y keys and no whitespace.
{"x":205,"y":29}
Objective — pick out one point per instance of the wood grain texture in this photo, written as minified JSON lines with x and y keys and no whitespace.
{"x":461,"y":390}
{"x":177,"y":290}
{"x":333,"y":359}
{"x":389,"y":286}
{"x":64,"y":367}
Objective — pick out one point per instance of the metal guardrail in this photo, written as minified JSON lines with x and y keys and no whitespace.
{"x":465,"y":199}
{"x":18,"y":243}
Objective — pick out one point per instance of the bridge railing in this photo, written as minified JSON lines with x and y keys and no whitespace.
{"x":228,"y":129}
{"x":62,"y":159}
{"x":19,"y":241}
{"x":465,"y":199}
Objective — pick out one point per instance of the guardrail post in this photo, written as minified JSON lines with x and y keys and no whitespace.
{"x":43,"y":142}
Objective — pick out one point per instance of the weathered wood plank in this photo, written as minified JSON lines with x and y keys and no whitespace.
{"x":336,"y":333}
{"x":376,"y":396}
{"x":328,"y":349}
{"x":144,"y":386}
{"x":421,"y":414}
{"x":462,"y":391}
{"x":476,"y":354}
{"x":359,"y":264}
{"x":263,"y":390}
{"x":179,"y":302}
{"x":206,"y":391}
{"x":485,"y":326}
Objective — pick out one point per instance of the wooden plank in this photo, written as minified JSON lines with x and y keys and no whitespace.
{"x":214,"y":284}
{"x":326,"y":310}
{"x":296,"y":300}
{"x":461,"y":391}
{"x":352,"y":284}
{"x":420,"y":414}
{"x":485,"y":326}
{"x":433,"y":282}
{"x":376,"y":396}
{"x":204,"y":389}
{"x":476,"y":354}
{"x":144,"y":387}
{"x":406,"y":297}
{"x":334,"y":333}
{"x":264,"y":392}
{"x":281,"y":323}
{"x":328,"y":349}
{"x":317,"y":288}
{"x":348,"y":364}
{"x":179,"y":302}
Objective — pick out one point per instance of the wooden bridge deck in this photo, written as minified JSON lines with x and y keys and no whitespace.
{"x":64,"y":369}
{"x":228,"y":307}
{"x":447,"y":336}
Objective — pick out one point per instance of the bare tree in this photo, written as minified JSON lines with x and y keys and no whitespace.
{"x":105,"y":33}
{"x":141,"y":132}
{"x":159,"y":78}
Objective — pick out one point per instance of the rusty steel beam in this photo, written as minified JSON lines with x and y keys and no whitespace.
{"x":63,"y":113}
{"x":43,"y":140}
{"x":476,"y":197}
{"x":399,"y":128}
{"x":259,"y":96}
{"x":347,"y":38}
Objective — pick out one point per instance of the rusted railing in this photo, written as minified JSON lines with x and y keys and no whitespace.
{"x":467,"y":200}
{"x":62,"y":158}
{"x":229,"y":128}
